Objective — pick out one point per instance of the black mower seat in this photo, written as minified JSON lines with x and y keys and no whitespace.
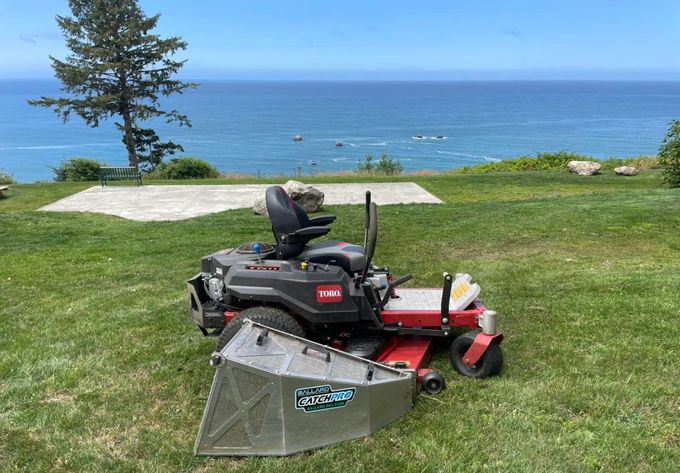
{"x":337,"y":253}
{"x":293,"y":229}
{"x":290,"y":224}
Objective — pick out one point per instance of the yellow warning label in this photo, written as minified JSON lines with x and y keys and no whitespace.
{"x":460,"y":290}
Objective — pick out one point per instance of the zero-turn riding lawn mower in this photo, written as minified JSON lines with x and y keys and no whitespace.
{"x":310,"y":334}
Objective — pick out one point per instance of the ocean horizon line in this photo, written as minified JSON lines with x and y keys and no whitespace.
{"x":381,"y":80}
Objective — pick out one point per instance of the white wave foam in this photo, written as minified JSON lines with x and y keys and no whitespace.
{"x":467,"y":155}
{"x":433,"y":138}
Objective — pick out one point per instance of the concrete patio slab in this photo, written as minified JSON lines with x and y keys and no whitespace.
{"x":158,"y":203}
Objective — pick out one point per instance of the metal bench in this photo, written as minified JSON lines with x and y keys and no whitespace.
{"x":107,"y":174}
{"x":3,"y":189}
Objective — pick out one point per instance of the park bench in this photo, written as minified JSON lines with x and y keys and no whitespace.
{"x":3,"y":189}
{"x":107,"y":174}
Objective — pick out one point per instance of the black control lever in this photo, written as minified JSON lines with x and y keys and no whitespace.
{"x":392,"y":285}
{"x":368,"y":204}
{"x":446,"y":296}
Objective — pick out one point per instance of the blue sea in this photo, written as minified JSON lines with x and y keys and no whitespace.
{"x":247,"y":127}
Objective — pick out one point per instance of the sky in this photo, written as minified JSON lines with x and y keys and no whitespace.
{"x":384,"y":40}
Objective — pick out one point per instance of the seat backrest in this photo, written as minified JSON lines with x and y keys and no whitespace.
{"x":286,"y":217}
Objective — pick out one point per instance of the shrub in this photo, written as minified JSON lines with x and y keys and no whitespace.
{"x":77,"y":169}
{"x":385,"y":166}
{"x":556,"y":162}
{"x":540,"y":162}
{"x":185,"y":168}
{"x":642,"y":163}
{"x":669,"y":155}
{"x":5,"y":178}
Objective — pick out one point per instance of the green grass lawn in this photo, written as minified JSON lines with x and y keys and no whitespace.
{"x":101,"y":370}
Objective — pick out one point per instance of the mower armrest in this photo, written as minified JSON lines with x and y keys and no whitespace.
{"x":307,"y":233}
{"x":322,"y":220}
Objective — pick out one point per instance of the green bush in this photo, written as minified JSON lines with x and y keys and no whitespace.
{"x":540,"y":162}
{"x":5,"y":178}
{"x":642,"y":163}
{"x":669,"y":155}
{"x":385,"y":166}
{"x":556,"y":162}
{"x":185,"y":168}
{"x":77,"y":169}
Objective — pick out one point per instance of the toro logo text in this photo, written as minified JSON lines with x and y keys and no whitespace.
{"x":329,"y":293}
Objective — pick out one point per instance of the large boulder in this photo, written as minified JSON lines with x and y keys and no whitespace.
{"x":306,"y":196}
{"x":260,"y":206}
{"x":626,"y":171}
{"x":584,"y":168}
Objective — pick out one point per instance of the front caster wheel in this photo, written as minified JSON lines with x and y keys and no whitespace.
{"x":433,"y":383}
{"x":489,"y":364}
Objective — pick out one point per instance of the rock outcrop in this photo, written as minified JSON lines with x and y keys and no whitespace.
{"x":306,"y":196}
{"x":626,"y":171}
{"x":584,"y":168}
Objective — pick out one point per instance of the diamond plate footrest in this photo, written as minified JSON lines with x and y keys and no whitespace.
{"x":277,"y":394}
{"x":463,"y":293}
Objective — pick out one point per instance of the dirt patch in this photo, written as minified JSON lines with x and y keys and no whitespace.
{"x":59,"y":397}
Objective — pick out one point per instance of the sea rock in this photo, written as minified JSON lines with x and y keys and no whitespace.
{"x":584,"y":168}
{"x":297,"y":138}
{"x":306,"y":196}
{"x":626,"y":171}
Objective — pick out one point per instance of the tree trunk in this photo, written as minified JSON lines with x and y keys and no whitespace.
{"x":129,"y":139}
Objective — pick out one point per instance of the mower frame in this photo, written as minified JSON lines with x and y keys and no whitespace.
{"x":337,"y":308}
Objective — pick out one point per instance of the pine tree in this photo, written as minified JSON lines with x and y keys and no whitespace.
{"x":117,"y":67}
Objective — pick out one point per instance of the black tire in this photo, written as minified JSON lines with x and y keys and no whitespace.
{"x":433,"y":383}
{"x":270,"y":316}
{"x":489,"y":364}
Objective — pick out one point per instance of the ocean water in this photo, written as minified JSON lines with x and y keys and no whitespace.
{"x":247,"y":127}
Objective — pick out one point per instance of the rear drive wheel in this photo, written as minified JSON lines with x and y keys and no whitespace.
{"x":489,"y":364}
{"x":270,"y":316}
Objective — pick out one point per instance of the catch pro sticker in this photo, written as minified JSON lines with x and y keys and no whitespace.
{"x":329,"y":293}
{"x":321,"y":398}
